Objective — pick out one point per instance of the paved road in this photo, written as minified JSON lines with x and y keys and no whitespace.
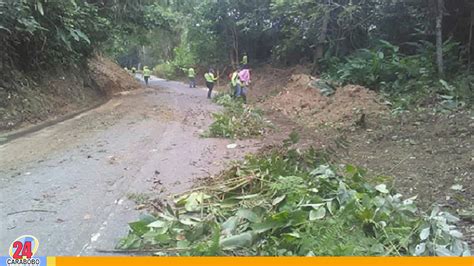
{"x":69,"y":184}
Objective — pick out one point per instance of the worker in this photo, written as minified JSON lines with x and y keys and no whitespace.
{"x":192,"y":77}
{"x":146,"y":74}
{"x":134,"y":70}
{"x":235,"y":83}
{"x":244,"y":76}
{"x":245,"y":59}
{"x":210,"y":79}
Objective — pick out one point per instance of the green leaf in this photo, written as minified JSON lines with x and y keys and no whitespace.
{"x":247,"y":214}
{"x":317,"y":214}
{"x":316,"y":206}
{"x":158,"y":224}
{"x":194,"y":201}
{"x":425,"y":233}
{"x":229,"y":226}
{"x":420,"y":249}
{"x":214,"y":249}
{"x":182,"y":244}
{"x":187,"y":221}
{"x":455,"y":234}
{"x":241,"y":240}
{"x":83,"y":36}
{"x":139,"y":228}
{"x":252,"y":196}
{"x":382,"y":188}
{"x":443,"y":251}
{"x":132,"y":241}
{"x":147,"y":218}
{"x":292,"y":235}
{"x":450,"y":218}
{"x":434,"y":211}
{"x":39,"y":7}
{"x":277,"y":200}
{"x":265,"y":226}
{"x":323,"y":171}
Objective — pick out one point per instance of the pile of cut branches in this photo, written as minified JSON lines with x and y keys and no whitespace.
{"x":292,"y":203}
{"x":238,"y":120}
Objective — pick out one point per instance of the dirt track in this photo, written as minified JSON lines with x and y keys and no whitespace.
{"x":69,"y":184}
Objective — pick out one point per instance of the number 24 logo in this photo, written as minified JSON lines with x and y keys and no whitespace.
{"x":24,"y":247}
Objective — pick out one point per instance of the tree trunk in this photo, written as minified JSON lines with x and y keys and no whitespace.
{"x":439,"y":37}
{"x":231,"y":57}
{"x":236,"y":44}
{"x":321,"y":41}
{"x":469,"y":47}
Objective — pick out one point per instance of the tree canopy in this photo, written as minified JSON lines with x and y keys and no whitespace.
{"x":321,"y":34}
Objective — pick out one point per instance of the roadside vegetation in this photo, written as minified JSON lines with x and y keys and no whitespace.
{"x":407,"y":79}
{"x":291,"y":203}
{"x":237,"y":120}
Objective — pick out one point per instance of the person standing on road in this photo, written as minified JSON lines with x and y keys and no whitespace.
{"x":210,"y":79}
{"x":146,"y":74}
{"x":235,"y":83}
{"x":244,"y":76}
{"x":245,"y":59}
{"x":192,"y":77}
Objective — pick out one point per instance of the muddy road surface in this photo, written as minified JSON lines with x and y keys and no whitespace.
{"x":75,"y":185}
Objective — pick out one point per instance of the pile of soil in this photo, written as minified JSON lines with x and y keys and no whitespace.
{"x":302,"y":101}
{"x":33,"y":98}
{"x":268,"y":81}
{"x":109,"y":77}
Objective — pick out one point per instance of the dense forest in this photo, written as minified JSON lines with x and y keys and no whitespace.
{"x":349,"y":41}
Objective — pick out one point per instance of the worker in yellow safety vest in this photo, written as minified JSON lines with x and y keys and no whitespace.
{"x":192,"y":77}
{"x":235,"y":83}
{"x":210,"y":79}
{"x":245,"y":59}
{"x":146,"y":74}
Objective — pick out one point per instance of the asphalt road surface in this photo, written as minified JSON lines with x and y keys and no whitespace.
{"x":70,"y":184}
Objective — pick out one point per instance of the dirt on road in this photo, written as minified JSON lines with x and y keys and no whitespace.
{"x":74,"y":185}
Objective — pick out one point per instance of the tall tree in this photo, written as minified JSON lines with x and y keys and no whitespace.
{"x":439,"y":37}
{"x":469,"y":47}
{"x":322,"y":37}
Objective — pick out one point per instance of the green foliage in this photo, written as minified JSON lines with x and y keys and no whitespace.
{"x":406,"y":78}
{"x":166,"y":70}
{"x":223,"y":99}
{"x":291,"y":203}
{"x":45,"y":33}
{"x":237,"y":120}
{"x":42,"y":33}
{"x":184,"y":58}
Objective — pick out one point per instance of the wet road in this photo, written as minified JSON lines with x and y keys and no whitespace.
{"x":69,"y":184}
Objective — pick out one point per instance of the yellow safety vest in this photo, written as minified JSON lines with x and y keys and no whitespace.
{"x":235,"y":79}
{"x":209,"y":77}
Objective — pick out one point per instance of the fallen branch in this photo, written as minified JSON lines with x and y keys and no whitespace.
{"x":128,"y":251}
{"x":18,"y":212}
